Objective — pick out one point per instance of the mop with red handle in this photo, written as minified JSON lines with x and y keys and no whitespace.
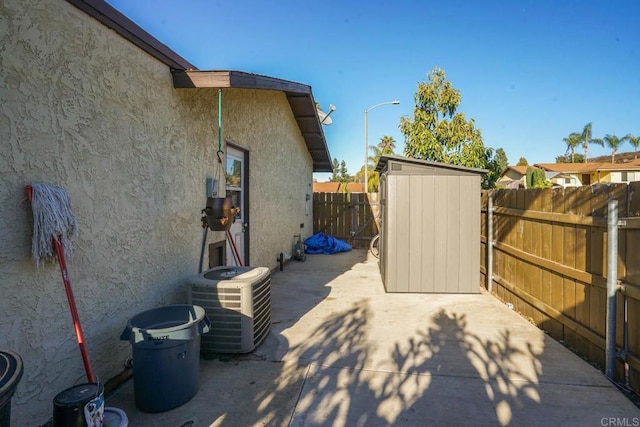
{"x":54,"y":227}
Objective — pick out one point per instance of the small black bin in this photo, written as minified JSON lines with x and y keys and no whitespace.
{"x":166,"y":355}
{"x":79,"y":406}
{"x":10,"y":373}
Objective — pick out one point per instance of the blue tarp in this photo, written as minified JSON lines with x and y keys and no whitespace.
{"x":320,"y":243}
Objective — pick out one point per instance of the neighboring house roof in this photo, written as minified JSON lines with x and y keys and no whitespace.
{"x":522,"y":170}
{"x":336,"y":187}
{"x":587,"y":167}
{"x":511,"y":175}
{"x":326,"y":187}
{"x":355,"y":187}
{"x":186,"y":75}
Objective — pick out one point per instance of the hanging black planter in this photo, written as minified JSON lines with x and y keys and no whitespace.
{"x":220,"y":213}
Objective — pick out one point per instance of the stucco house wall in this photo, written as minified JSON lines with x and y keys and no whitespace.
{"x":567,"y":180}
{"x":617,"y":176}
{"x":280,"y":171}
{"x":85,"y":109}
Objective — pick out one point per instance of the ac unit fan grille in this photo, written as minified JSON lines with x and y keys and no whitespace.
{"x":261,"y":310}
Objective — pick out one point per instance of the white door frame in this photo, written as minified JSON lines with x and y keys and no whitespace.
{"x":239,"y":159}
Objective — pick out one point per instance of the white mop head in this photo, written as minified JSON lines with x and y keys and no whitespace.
{"x":52,"y":218}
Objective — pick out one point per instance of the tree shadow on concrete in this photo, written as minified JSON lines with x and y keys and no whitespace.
{"x":443,"y":373}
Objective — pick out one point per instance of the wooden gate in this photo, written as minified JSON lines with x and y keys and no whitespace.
{"x":352,"y":217}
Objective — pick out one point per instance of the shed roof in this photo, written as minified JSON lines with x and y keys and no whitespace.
{"x":384,"y":160}
{"x":186,"y":75}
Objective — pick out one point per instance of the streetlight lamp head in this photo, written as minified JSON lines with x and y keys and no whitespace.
{"x":395,"y":102}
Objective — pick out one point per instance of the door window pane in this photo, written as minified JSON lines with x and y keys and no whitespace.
{"x":235,"y":200}
{"x":234,"y":172}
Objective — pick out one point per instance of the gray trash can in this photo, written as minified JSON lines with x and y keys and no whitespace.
{"x":166,"y":355}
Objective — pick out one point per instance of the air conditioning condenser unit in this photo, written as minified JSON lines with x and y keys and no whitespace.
{"x":237,"y":301}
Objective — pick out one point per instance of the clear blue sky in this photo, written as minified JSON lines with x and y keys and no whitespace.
{"x":530,"y":72}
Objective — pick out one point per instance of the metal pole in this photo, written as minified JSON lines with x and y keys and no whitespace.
{"x":612,"y":286}
{"x":366,"y":141}
{"x":366,"y":151}
{"x":490,"y":243}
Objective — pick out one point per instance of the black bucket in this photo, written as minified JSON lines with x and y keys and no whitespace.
{"x":10,"y":373}
{"x":79,"y":406}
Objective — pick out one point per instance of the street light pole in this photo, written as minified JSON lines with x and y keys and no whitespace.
{"x":366,"y":140}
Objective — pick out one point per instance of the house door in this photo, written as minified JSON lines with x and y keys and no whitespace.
{"x":237,"y":182}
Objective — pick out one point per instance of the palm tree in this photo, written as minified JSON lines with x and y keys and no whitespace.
{"x":372,"y":161}
{"x":612,"y":142}
{"x":387,"y":144}
{"x":587,"y":138}
{"x":573,"y":141}
{"x":635,"y":141}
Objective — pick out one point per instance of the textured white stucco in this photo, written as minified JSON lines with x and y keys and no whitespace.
{"x":280,"y":173}
{"x":82,"y":108}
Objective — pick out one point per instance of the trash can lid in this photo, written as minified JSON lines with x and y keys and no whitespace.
{"x":10,"y":372}
{"x":114,"y":417}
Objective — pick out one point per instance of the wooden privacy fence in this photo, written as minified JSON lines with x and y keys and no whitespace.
{"x":351,"y":217}
{"x":550,"y":261}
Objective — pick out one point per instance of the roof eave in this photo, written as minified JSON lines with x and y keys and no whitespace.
{"x":299,"y":96}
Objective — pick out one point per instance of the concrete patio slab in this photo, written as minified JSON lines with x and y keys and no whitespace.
{"x":343,"y":352}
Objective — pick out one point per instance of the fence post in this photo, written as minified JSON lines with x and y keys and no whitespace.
{"x":489,"y":257}
{"x":612,"y":286}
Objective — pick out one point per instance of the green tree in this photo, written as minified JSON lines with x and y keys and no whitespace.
{"x":339,"y":172}
{"x":579,"y":158}
{"x":387,"y":144}
{"x":372,"y":161}
{"x":522,"y":162}
{"x":587,"y":138}
{"x":335,"y":171}
{"x":573,"y":140}
{"x":501,"y":159}
{"x":495,"y":165}
{"x":612,"y":142}
{"x":536,"y":178}
{"x":635,"y":141}
{"x":436,"y":131}
{"x":344,"y":173}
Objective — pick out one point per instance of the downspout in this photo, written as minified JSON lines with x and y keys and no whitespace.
{"x":612,"y":287}
{"x":210,"y":183}
{"x":220,"y":126}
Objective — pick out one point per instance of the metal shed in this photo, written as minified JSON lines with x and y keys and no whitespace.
{"x":429,"y":226}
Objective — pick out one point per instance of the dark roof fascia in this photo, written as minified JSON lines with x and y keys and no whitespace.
{"x":300,"y":97}
{"x":112,"y":18}
{"x":186,"y":75}
{"x":384,"y":160}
